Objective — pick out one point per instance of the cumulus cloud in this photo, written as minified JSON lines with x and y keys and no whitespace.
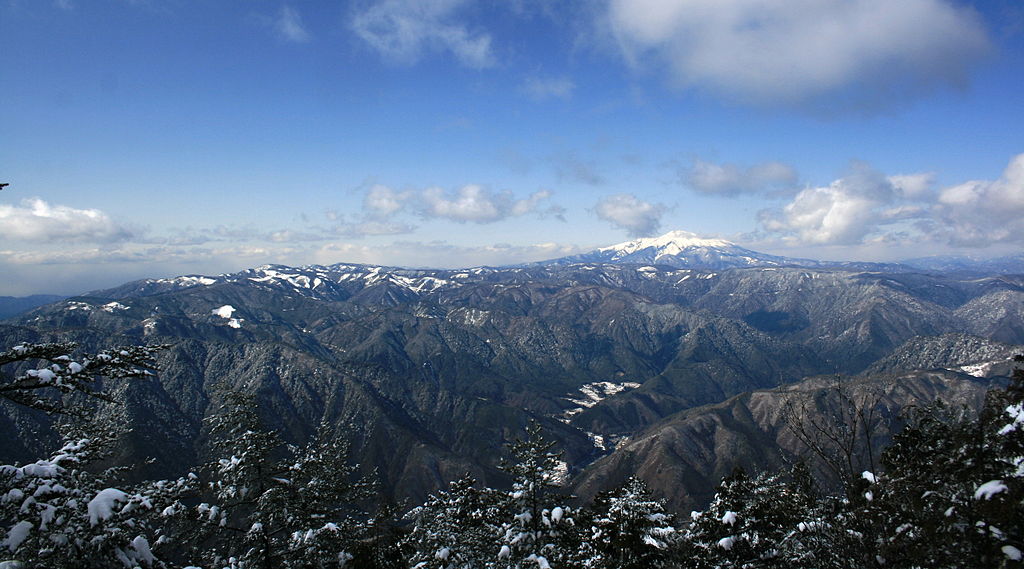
{"x":913,"y":186}
{"x":477,"y":204}
{"x":289,"y":26}
{"x":406,"y":30}
{"x":382,"y":201}
{"x":842,"y":213}
{"x":733,"y":180}
{"x":792,"y":52}
{"x":38,"y":221}
{"x":868,"y":207}
{"x":470,"y":203}
{"x":979,"y":213}
{"x":543,"y":88}
{"x":626,"y":211}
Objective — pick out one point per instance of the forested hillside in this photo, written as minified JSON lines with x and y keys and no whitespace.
{"x":947,"y":492}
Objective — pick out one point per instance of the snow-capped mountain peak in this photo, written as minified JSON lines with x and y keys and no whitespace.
{"x":671,"y":243}
{"x":680,"y":249}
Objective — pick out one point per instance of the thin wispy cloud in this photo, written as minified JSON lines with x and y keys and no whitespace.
{"x":369,"y":227}
{"x":732,"y":180}
{"x":569,"y":167}
{"x":289,"y":26}
{"x":405,"y":31}
{"x":544,"y":88}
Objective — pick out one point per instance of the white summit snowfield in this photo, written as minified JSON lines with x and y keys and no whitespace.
{"x":680,"y":249}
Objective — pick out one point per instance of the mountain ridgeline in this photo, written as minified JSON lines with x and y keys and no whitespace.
{"x":671,"y":358}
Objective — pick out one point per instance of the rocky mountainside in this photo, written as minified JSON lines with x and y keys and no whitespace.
{"x":430,"y":372}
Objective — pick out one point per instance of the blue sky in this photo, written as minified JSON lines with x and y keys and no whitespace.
{"x":147,"y":138}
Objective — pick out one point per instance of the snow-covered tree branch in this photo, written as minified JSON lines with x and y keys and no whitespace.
{"x":57,"y":371}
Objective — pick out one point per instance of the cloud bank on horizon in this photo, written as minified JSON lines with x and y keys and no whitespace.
{"x":454,"y":133}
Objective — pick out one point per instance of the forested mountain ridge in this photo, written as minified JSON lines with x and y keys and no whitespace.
{"x":436,"y":369}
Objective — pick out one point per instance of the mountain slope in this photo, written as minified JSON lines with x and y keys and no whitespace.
{"x":429,"y":372}
{"x":14,"y":305}
{"x":682,"y":457}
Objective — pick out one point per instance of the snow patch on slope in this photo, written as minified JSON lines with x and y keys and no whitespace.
{"x":187,"y":281}
{"x":112,"y":306}
{"x":226,"y":313}
{"x":594,"y":393}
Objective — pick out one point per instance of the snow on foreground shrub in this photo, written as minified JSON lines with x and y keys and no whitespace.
{"x":56,"y":514}
{"x":59,"y":373}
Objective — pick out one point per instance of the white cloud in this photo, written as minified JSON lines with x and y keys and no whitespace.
{"x":867,"y":207}
{"x":628,"y":212}
{"x":405,"y":30}
{"x":472,"y":202}
{"x":913,"y":186}
{"x":980,"y":213}
{"x":477,"y":204}
{"x":288,"y":25}
{"x":792,"y":52}
{"x":543,"y":88}
{"x":39,"y":221}
{"x":843,"y":213}
{"x":382,"y":201}
{"x":732,"y":180}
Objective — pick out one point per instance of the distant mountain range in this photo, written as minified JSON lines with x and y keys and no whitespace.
{"x":621,"y":354}
{"x":680,"y":249}
{"x":1011,"y":264}
{"x":683,"y":249}
{"x":12,"y":305}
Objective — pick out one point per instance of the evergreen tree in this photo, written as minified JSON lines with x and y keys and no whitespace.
{"x":953,"y":492}
{"x":822,"y":537}
{"x":630,"y":529}
{"x":380,"y":543}
{"x":272,"y":508}
{"x":457,"y":528}
{"x":58,"y":513}
{"x":541,"y":532}
{"x":319,"y":502}
{"x":747,"y":522}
